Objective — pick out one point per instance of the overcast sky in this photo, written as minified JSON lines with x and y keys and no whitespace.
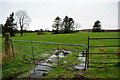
{"x":84,"y":12}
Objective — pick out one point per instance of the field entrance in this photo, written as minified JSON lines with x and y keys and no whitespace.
{"x":45,"y":55}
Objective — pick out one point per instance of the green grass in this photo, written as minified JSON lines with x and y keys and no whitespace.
{"x":12,"y":67}
{"x":73,"y":38}
{"x":101,"y":73}
{"x":58,"y":71}
{"x":58,"y":38}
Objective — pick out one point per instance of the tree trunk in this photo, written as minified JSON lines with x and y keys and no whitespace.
{"x":57,"y":30}
{"x":21,"y":31}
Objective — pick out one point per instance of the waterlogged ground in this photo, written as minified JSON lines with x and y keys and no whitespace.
{"x":42,"y":70}
{"x":75,"y":38}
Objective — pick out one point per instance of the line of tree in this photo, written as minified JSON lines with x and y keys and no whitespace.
{"x":22,"y":20}
{"x":65,"y":26}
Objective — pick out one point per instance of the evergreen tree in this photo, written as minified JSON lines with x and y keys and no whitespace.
{"x":9,"y":26}
{"x":71,"y":24}
{"x":68,"y":24}
{"x":97,"y":26}
{"x":1,"y":25}
{"x":56,"y":25}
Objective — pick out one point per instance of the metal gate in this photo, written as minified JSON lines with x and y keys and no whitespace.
{"x":103,"y":56}
{"x":51,"y":54}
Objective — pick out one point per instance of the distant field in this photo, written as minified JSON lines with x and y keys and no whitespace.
{"x":75,"y":38}
{"x":79,"y":38}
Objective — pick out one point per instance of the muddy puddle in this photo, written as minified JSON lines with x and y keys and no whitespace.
{"x":42,"y":69}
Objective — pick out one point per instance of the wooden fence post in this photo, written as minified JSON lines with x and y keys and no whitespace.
{"x":7,"y":43}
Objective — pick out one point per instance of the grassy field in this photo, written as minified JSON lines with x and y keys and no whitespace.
{"x":11,"y":67}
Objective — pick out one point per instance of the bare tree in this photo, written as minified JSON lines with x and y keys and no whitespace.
{"x":77,"y":26}
{"x":22,"y":19}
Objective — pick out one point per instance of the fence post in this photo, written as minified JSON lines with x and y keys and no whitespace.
{"x":86,"y":59}
{"x":33,"y":55}
{"x":12,"y":49}
{"x":57,"y":54}
{"x":7,"y":43}
{"x":88,"y":54}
